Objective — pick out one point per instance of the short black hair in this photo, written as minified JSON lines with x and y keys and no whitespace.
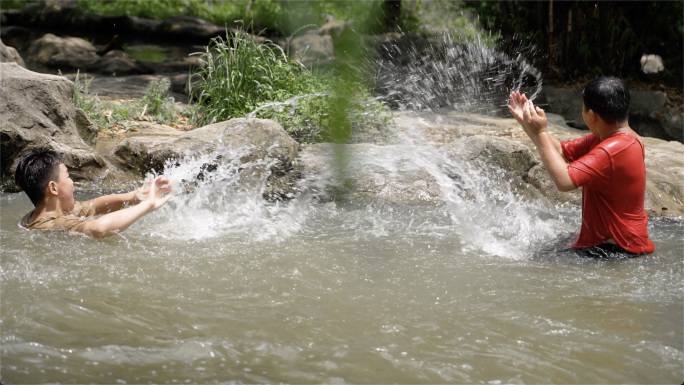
{"x":35,"y":170}
{"x":609,"y":97}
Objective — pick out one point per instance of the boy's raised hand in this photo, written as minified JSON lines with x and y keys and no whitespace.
{"x":141,"y":194}
{"x":534,"y":119}
{"x":154,"y":192}
{"x":516,"y":106}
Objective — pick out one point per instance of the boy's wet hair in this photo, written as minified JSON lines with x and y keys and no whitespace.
{"x":35,"y":171}
{"x":609,"y":97}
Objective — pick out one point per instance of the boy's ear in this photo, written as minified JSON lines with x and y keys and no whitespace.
{"x":593,"y":116}
{"x":52,"y":188}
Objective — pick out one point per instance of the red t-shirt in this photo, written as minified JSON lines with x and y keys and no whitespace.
{"x":612,"y":175}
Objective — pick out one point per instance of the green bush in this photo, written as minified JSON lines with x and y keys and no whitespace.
{"x":88,"y":102}
{"x":240,"y":77}
{"x":239,"y":74}
{"x":157,"y":103}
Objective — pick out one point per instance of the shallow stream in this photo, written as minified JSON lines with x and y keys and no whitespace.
{"x":220,"y":286}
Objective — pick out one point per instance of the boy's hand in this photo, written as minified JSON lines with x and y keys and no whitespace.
{"x":516,"y":105}
{"x":534,"y":118}
{"x":142,"y":193}
{"x":154,"y":190}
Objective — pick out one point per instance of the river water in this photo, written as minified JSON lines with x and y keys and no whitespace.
{"x":220,"y":286}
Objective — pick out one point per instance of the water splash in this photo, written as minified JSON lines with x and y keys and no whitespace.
{"x":291,"y":102}
{"x":477,"y":204}
{"x":414,"y":73}
{"x":219,"y":194}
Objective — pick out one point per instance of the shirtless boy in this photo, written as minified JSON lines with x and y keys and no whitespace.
{"x":608,"y":164}
{"x":45,"y":179}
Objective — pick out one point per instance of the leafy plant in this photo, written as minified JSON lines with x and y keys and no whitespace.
{"x":242,"y":77}
{"x":88,"y":102}
{"x":240,"y":74}
{"x":157,"y":103}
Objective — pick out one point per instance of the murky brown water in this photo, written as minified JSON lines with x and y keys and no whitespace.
{"x":343,"y":293}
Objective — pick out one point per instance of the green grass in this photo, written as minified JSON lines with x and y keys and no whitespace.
{"x":240,"y":76}
{"x":110,"y":116}
{"x":278,"y":17}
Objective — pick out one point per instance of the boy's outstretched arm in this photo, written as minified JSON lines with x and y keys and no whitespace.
{"x":115,"y":202}
{"x":115,"y":222}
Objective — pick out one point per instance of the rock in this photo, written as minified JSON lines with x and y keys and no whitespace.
{"x":120,"y":63}
{"x":15,"y":36}
{"x":69,"y":53}
{"x":664,"y":177}
{"x":312,"y":49}
{"x":10,"y":55}
{"x":651,"y":116}
{"x":651,"y":64}
{"x":258,"y":139}
{"x":189,"y":28}
{"x":365,"y":170}
{"x":37,"y":111}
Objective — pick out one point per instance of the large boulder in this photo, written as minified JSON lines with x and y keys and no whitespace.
{"x":189,"y":28}
{"x":120,"y":63}
{"x":10,"y":55}
{"x":256,"y":142}
{"x":37,"y":111}
{"x":442,"y":155}
{"x":64,"y":53}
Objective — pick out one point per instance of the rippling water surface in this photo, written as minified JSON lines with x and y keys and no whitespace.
{"x":220,"y":286}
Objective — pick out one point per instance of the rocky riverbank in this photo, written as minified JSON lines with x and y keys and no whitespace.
{"x":37,"y":111}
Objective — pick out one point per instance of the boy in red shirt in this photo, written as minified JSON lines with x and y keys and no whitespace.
{"x":608,"y":164}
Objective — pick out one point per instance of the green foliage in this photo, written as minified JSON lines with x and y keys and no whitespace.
{"x":88,"y":102}
{"x":451,"y":18}
{"x":157,"y":103}
{"x":279,"y":17}
{"x":15,"y":4}
{"x":240,"y":74}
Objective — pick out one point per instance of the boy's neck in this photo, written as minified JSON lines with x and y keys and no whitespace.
{"x":47,"y":206}
{"x":606,"y":130}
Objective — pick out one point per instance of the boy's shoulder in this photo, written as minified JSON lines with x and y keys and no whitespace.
{"x":621,"y":142}
{"x":73,"y":220}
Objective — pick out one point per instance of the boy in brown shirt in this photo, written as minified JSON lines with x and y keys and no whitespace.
{"x":45,"y":179}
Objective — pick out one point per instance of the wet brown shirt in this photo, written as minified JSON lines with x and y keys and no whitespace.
{"x":74,"y":220}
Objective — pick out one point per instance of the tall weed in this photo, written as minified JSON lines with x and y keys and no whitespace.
{"x":239,"y":74}
{"x":241,"y":77}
